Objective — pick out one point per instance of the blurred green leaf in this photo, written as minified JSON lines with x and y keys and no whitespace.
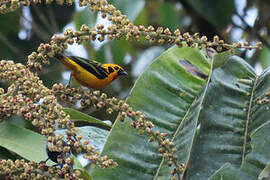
{"x":51,"y":74}
{"x":89,"y":18}
{"x":118,"y":52}
{"x":142,"y":18}
{"x":51,"y":18}
{"x":8,"y":28}
{"x":265,"y":174}
{"x":169,"y":16}
{"x":85,"y":17}
{"x":217,"y":12}
{"x":9,"y":32}
{"x":265,"y":57}
{"x":117,"y":49}
{"x":25,"y":143}
{"x":129,"y":8}
{"x":76,"y":115}
{"x":100,"y":54}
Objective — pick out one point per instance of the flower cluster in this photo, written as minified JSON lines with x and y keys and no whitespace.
{"x":137,"y":119}
{"x":123,"y":27}
{"x":28,"y":97}
{"x":12,"y":5}
{"x":20,"y":169}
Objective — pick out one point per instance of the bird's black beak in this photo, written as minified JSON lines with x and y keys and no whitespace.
{"x":122,"y":73}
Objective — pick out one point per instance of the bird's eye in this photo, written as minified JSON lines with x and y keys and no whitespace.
{"x":116,"y":68}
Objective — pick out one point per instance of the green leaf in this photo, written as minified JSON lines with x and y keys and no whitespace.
{"x":229,"y":119}
{"x":231,"y":107}
{"x":265,"y":57}
{"x":228,"y":172}
{"x":258,"y":156}
{"x":169,"y":16}
{"x":172,"y":101}
{"x":76,"y":115}
{"x":25,"y":143}
{"x":129,"y":8}
{"x":254,"y":164}
{"x":89,"y":18}
{"x":142,"y":18}
{"x":265,"y":174}
{"x":85,"y":17}
{"x":51,"y":18}
{"x":7,"y":27}
{"x":217,"y":12}
{"x":118,"y":52}
{"x":221,"y":58}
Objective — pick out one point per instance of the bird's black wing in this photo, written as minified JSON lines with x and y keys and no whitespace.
{"x":91,"y":66}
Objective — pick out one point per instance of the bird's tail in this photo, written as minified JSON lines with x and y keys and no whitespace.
{"x":69,"y":63}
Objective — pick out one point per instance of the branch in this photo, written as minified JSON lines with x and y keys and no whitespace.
{"x":250,"y":29}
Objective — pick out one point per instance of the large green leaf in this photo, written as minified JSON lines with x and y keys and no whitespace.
{"x":171,"y":98}
{"x":25,"y":143}
{"x":230,"y":106}
{"x":234,"y":111}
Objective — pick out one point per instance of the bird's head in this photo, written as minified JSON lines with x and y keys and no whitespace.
{"x":115,"y":70}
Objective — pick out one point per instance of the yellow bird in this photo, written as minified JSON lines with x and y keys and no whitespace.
{"x":90,"y":73}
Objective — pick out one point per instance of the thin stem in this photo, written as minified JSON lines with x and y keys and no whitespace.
{"x":250,"y":29}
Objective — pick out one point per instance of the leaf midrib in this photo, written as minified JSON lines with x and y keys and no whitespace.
{"x":184,"y":118}
{"x":248,"y":119}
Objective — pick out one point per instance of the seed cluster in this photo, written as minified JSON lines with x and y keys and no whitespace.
{"x":20,"y":169}
{"x":123,"y":27}
{"x":12,"y":5}
{"x":28,"y":97}
{"x":137,"y":119}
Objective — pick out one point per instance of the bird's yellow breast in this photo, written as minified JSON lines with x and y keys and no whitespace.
{"x":85,"y":78}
